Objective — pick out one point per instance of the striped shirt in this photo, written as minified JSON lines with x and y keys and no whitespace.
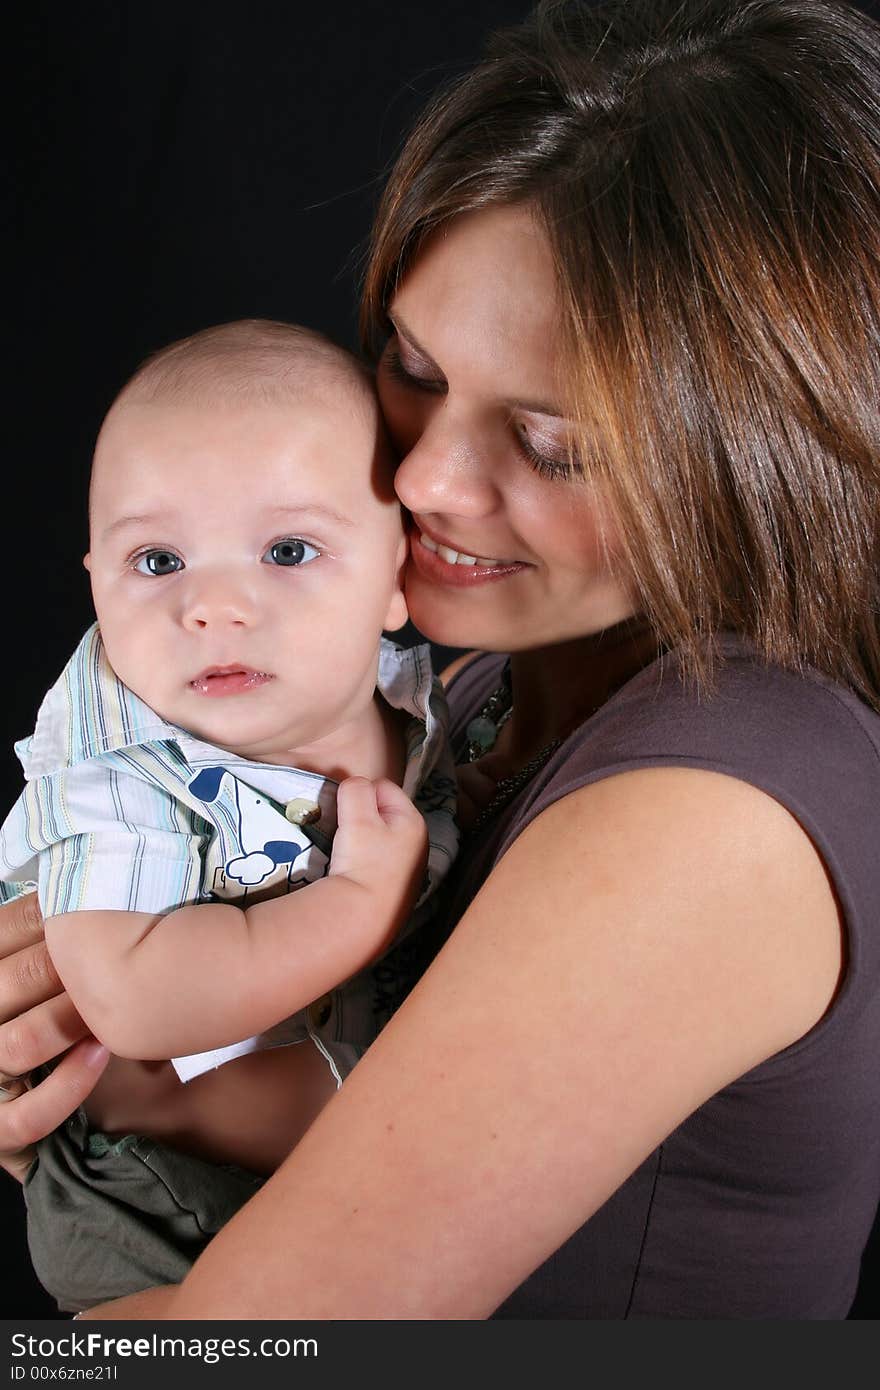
{"x":122,"y":810}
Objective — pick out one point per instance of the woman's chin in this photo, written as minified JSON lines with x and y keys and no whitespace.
{"x":439,"y":614}
{"x":442,"y":618}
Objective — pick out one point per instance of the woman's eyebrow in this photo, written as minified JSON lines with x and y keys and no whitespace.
{"x":538,"y":408}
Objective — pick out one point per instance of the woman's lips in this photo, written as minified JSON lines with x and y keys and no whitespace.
{"x":228,"y":680}
{"x":443,"y":565}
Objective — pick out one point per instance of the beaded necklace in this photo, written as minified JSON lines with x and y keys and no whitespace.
{"x":482,"y":734}
{"x":483,"y":730}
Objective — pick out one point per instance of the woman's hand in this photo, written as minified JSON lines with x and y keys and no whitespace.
{"x":37,"y":1023}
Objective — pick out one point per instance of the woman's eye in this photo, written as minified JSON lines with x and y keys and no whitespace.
{"x":158,"y":562}
{"x":548,"y":461}
{"x":399,"y":372}
{"x":290,"y":551}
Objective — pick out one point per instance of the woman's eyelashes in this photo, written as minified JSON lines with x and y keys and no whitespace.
{"x":409,"y":375}
{"x":288,"y":552}
{"x":549,"y":461}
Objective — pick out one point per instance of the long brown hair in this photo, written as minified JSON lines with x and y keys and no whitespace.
{"x":708,"y":173}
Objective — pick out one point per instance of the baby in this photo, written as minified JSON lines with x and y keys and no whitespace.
{"x":232,"y":729}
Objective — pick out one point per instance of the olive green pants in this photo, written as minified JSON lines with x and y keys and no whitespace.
{"x":107,"y":1218}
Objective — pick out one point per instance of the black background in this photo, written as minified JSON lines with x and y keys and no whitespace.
{"x":175,"y":165}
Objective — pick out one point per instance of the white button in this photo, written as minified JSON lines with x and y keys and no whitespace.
{"x":301,"y":811}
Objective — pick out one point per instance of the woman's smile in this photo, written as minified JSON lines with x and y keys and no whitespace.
{"x":442,"y":562}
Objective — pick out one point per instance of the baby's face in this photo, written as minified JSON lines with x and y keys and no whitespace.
{"x":244,"y":561}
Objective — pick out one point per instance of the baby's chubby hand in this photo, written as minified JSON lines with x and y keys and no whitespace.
{"x":381,"y":846}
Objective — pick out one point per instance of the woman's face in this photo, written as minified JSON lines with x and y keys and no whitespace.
{"x":469,"y":384}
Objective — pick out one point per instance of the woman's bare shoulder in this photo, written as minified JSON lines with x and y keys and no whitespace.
{"x":677,"y":845}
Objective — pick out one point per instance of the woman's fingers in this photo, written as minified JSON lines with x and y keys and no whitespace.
{"x":37,"y":1022}
{"x":34,"y":1113}
{"x":21,"y":924}
{"x":17,"y":1164}
{"x":36,"y":1036}
{"x":27,"y":978}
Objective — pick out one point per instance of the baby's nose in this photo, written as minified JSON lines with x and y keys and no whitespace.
{"x":218,"y":604}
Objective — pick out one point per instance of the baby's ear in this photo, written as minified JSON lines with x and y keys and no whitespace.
{"x":87,"y":561}
{"x":397,"y":611}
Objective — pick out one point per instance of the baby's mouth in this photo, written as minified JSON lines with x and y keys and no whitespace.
{"x":228,"y":680}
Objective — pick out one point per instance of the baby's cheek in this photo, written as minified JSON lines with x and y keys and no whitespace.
{"x":133,"y":655}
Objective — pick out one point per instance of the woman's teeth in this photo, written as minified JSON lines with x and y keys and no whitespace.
{"x":456,"y":557}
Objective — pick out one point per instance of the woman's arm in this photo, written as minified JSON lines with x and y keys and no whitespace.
{"x":645,"y":941}
{"x":37,"y":1023}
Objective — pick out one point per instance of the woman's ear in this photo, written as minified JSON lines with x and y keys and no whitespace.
{"x":87,"y":561}
{"x":397,"y":611}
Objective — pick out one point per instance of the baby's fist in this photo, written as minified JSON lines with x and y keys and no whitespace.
{"x":381,"y":846}
{"x":380,"y":832}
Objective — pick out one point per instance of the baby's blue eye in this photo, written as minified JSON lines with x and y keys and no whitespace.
{"x":158,"y":562}
{"x":290,"y":551}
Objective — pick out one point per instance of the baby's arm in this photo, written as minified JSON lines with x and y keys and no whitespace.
{"x":204,"y":976}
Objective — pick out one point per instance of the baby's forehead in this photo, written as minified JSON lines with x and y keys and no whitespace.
{"x":326,"y":448}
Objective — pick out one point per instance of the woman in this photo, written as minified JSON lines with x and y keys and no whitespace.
{"x":627,"y":277}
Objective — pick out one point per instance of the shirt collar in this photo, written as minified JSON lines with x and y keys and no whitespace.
{"x":89,"y":712}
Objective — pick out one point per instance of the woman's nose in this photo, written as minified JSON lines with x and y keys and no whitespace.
{"x":447,"y":470}
{"x":217,"y":602}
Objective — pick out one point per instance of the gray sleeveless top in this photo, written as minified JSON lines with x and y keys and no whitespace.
{"x":760,"y":1204}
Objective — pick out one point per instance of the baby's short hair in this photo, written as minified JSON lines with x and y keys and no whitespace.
{"x":249,"y":360}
